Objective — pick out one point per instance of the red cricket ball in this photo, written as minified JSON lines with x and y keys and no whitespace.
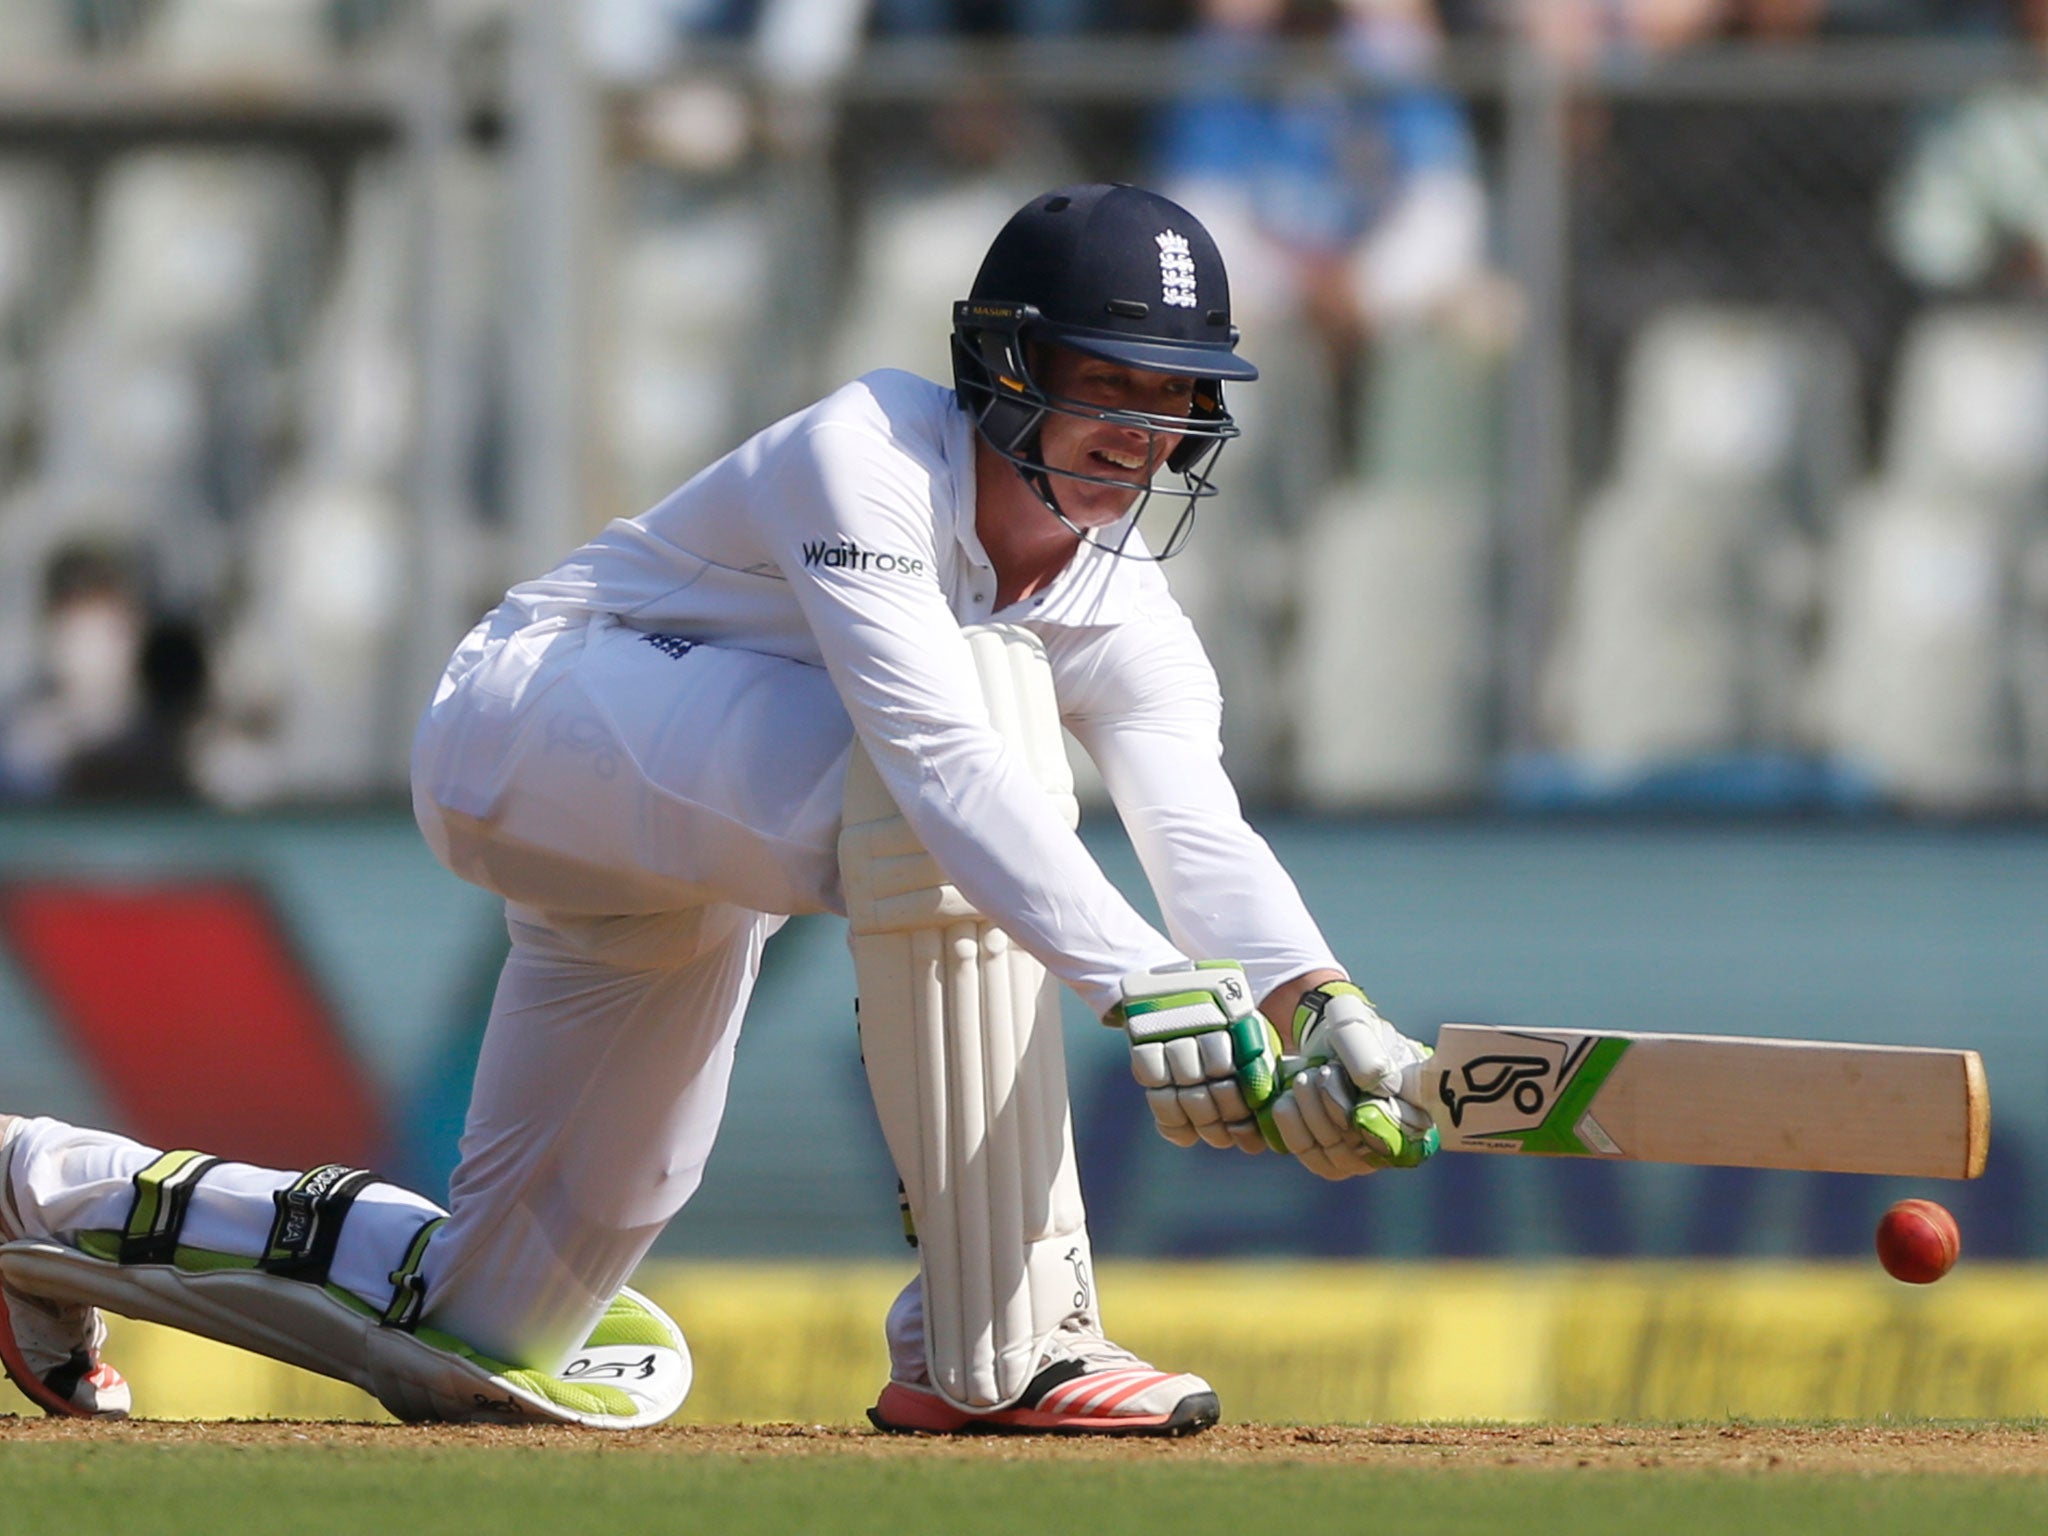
{"x":1918,"y":1242}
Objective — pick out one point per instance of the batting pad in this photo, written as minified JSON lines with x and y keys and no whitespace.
{"x":960,"y":1032}
{"x":634,"y":1371}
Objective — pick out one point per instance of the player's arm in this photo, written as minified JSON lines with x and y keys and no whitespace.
{"x":1145,"y":705}
{"x":1142,"y":699}
{"x":905,"y":674}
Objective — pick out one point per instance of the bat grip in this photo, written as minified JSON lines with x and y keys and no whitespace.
{"x":1410,"y":1088}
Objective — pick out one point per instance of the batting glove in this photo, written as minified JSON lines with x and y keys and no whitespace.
{"x":1337,"y":1112}
{"x":1205,"y":1056}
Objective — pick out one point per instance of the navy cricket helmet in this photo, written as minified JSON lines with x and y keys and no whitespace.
{"x":1120,"y":273}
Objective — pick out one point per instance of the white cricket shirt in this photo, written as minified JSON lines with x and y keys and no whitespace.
{"x":843,"y":536}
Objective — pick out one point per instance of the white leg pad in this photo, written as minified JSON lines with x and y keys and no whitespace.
{"x":310,"y":1327}
{"x":960,"y":1032}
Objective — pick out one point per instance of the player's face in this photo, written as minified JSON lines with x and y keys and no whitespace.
{"x":1106,"y":450}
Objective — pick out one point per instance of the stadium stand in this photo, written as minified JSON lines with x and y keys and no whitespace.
{"x":324,"y":561}
{"x":1681,"y":633}
{"x":35,"y":32}
{"x":1393,"y":652}
{"x":675,"y":360}
{"x":1917,"y":684}
{"x":244,"y":37}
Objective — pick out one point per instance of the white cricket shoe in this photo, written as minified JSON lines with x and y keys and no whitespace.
{"x":50,"y":1349}
{"x":1086,"y":1386}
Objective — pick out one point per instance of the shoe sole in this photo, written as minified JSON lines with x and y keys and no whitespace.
{"x":1193,"y":1414}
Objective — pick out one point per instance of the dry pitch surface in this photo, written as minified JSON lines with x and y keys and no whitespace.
{"x":1956,"y":1449}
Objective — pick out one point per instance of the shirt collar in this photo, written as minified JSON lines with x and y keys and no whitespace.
{"x":1096,"y":587}
{"x":959,"y":451}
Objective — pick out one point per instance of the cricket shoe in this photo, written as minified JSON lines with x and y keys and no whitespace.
{"x":51,"y":1349}
{"x":1087,"y":1386}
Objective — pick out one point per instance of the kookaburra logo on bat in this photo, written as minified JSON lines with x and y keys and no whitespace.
{"x":1489,"y":1079}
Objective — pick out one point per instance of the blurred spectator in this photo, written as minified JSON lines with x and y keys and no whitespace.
{"x":1349,"y":202}
{"x":1352,"y":204}
{"x":1579,"y":33}
{"x":1969,"y":211}
{"x":637,"y":39}
{"x":1582,"y":32}
{"x":111,"y":713}
{"x":1368,"y":187}
{"x":151,"y":760}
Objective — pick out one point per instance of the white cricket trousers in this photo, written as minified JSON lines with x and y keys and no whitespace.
{"x":651,"y":810}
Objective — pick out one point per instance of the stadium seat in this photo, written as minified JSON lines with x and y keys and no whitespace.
{"x":1393,"y":651}
{"x":803,"y":44}
{"x":37,"y":230}
{"x":1970,"y":399}
{"x":1680,"y":639}
{"x":1913,"y":687}
{"x":357,"y":380}
{"x":313,"y":699}
{"x":237,"y":37}
{"x":36,"y":237}
{"x":1431,"y":411}
{"x":1931,"y":592}
{"x":110,"y":412}
{"x":913,"y":255}
{"x":35,"y":32}
{"x":307,"y":680}
{"x":191,"y":246}
{"x":311,"y":654}
{"x":1732,"y":398}
{"x":152,"y":391}
{"x":1391,"y":607}
{"x":677,"y":356}
{"x":1680,"y":633}
{"x":165,"y":378}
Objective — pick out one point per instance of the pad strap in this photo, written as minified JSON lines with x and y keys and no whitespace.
{"x":903,"y":1210}
{"x":408,"y":1285}
{"x":307,"y":1228}
{"x":163,"y":1193}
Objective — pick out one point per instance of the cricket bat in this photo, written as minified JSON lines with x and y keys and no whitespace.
{"x":1716,"y":1099}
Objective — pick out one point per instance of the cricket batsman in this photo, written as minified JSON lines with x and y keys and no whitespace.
{"x":829,"y":674}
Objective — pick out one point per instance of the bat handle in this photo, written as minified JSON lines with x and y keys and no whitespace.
{"x":1411,"y":1089}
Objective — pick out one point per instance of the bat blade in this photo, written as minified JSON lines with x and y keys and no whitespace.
{"x":1730,"y":1101}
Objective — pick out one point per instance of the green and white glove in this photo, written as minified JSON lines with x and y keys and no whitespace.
{"x":1204,"y":1054}
{"x":1337,"y":1111}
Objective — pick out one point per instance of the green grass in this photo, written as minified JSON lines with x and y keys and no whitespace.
{"x":166,"y":1489}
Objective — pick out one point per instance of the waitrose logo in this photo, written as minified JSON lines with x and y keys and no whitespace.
{"x":849,"y":556}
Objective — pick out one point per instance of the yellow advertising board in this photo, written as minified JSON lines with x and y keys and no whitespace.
{"x":1316,"y":1342}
